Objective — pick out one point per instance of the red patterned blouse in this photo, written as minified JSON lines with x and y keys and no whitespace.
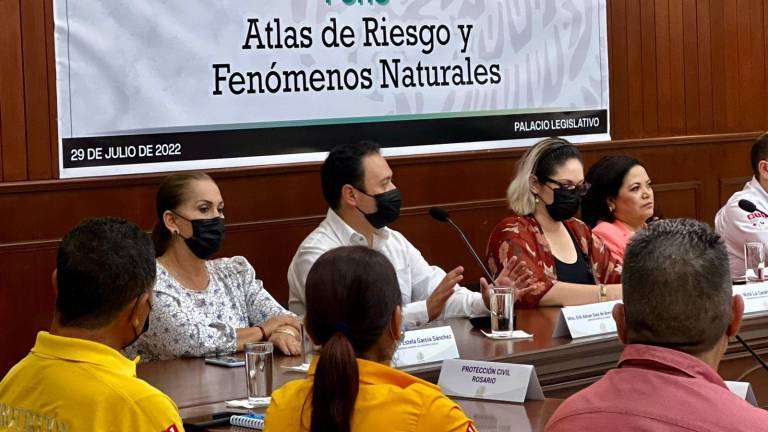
{"x":521,"y":236}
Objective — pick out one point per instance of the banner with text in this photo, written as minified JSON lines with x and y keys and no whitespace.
{"x":147,"y":86}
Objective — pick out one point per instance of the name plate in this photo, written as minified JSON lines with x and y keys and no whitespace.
{"x":586,"y":320}
{"x":742,"y":390}
{"x":507,"y":382}
{"x":755,"y":296}
{"x":426,"y":346}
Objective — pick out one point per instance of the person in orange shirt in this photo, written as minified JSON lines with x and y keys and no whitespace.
{"x":354,"y":312}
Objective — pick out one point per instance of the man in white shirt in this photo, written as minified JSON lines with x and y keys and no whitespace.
{"x":357,"y":184}
{"x":737,"y":226}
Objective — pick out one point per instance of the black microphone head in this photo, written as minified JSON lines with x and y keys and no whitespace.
{"x":746,"y":205}
{"x":439,"y":214}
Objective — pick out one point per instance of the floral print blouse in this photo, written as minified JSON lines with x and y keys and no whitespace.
{"x":521,"y":236}
{"x":188,"y":323}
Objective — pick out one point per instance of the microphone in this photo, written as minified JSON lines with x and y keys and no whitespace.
{"x":747,"y":205}
{"x":441,"y":215}
{"x":750,"y":207}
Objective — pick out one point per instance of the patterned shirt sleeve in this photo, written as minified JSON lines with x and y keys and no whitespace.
{"x":519,"y":236}
{"x":259,"y":304}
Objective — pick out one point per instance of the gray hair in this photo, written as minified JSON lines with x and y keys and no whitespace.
{"x":677,"y":286}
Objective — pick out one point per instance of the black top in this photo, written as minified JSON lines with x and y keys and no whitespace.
{"x":578,"y":272}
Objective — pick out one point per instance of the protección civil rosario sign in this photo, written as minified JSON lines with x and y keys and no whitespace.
{"x":148,"y":86}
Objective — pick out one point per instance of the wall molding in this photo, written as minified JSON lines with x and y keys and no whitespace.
{"x":274,"y":224}
{"x":307,"y":167}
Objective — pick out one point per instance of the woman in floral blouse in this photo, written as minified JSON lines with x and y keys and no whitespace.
{"x":571,"y":266}
{"x":204,"y":307}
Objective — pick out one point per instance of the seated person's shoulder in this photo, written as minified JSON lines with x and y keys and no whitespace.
{"x":291,"y":394}
{"x":148,"y":407}
{"x":319,"y":239}
{"x":604,"y":228}
{"x":287,"y":405}
{"x":236,"y":267}
{"x":514,"y":225}
{"x":436,"y":411}
{"x":235,"y":264}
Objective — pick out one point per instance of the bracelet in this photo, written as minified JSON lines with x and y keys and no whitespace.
{"x":603,"y":292}
{"x":287,"y":331}
{"x":263,"y":333}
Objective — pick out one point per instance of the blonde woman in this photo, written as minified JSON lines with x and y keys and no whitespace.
{"x":570,"y":265}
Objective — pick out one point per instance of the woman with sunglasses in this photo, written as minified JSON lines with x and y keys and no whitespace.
{"x":571,"y":266}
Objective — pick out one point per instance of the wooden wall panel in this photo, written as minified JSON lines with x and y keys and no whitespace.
{"x":36,"y":91}
{"x":12,"y":93}
{"x":663,"y":67}
{"x":617,"y":51}
{"x":690,"y":65}
{"x":687,"y":85}
{"x":704,"y":72}
{"x":634,"y":63}
{"x":676,"y":70}
{"x":729,"y":186}
{"x":677,"y":200}
{"x":732,"y":78}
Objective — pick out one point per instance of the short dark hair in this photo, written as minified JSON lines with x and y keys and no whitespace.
{"x":759,"y":153}
{"x":606,"y":177}
{"x":559,"y":152}
{"x":344,"y":165}
{"x":351,"y":294}
{"x":102,"y":265}
{"x":170,"y":195}
{"x":677,"y":286}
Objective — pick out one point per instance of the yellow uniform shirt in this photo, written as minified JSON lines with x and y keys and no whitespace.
{"x":68,"y":384}
{"x":387,"y":400}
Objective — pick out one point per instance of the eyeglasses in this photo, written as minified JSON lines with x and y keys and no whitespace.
{"x":581,"y":188}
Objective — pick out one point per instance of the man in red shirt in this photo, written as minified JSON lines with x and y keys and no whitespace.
{"x":677,"y":317}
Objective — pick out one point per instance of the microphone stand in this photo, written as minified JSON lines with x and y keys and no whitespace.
{"x":488,"y":274}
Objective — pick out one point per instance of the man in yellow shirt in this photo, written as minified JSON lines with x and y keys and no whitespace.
{"x":75,"y":378}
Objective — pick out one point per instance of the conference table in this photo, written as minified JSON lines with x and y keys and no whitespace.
{"x":563,"y":366}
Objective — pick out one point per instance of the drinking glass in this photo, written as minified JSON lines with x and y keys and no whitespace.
{"x":502,"y":301}
{"x":754,"y":261}
{"x":258,"y":370}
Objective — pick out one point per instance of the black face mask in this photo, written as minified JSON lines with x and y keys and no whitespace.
{"x":207,"y":236}
{"x":565,"y":204}
{"x":387,"y":208}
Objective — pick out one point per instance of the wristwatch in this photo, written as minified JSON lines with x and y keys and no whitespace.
{"x":603,"y":292}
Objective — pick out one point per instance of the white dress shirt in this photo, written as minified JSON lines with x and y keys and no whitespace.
{"x":417,"y":279}
{"x":737,"y":227}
